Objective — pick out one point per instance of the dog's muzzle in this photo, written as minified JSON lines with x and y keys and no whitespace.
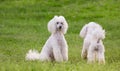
{"x":60,"y":27}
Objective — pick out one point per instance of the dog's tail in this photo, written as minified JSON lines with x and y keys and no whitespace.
{"x":32,"y":55}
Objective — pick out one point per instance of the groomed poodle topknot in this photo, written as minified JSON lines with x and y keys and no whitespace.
{"x":93,"y":48}
{"x":55,"y":48}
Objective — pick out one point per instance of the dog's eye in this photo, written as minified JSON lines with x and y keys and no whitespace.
{"x":61,"y":22}
{"x":57,"y":22}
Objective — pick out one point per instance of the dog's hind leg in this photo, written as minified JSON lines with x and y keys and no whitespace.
{"x":101,"y":58}
{"x":84,"y":51}
{"x":84,"y":54}
{"x":91,"y":55}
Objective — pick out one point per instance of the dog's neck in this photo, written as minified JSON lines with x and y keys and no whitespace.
{"x":59,"y":32}
{"x":98,"y":41}
{"x":59,"y":38}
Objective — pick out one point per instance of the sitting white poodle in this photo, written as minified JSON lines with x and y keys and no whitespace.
{"x":55,"y":48}
{"x":93,"y":48}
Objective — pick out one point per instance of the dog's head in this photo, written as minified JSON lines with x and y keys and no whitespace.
{"x":89,"y":28}
{"x":58,"y":23}
{"x":98,"y":34}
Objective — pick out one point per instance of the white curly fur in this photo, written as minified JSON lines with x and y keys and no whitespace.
{"x":93,"y":48}
{"x":55,"y":48}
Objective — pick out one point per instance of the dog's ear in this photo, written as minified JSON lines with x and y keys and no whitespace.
{"x":104,"y":31}
{"x":51,"y":25}
{"x":65,"y":26}
{"x":83,"y":32}
{"x":103,"y":34}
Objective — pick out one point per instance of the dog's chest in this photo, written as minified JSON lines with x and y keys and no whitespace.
{"x":60,"y":40}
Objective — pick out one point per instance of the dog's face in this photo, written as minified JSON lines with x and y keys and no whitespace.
{"x":98,"y":34}
{"x":58,"y":23}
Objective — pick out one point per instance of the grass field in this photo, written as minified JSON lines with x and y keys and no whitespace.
{"x":23,"y":26}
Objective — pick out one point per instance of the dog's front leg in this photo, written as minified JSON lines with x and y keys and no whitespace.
{"x":57,"y":54}
{"x":65,"y":53}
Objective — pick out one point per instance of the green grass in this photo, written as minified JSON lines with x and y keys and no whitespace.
{"x":23,"y":26}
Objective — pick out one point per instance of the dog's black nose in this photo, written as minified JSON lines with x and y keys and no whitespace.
{"x":60,"y":27}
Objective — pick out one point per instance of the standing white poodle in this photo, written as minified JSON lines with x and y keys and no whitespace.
{"x":55,"y":48}
{"x":93,"y":48}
